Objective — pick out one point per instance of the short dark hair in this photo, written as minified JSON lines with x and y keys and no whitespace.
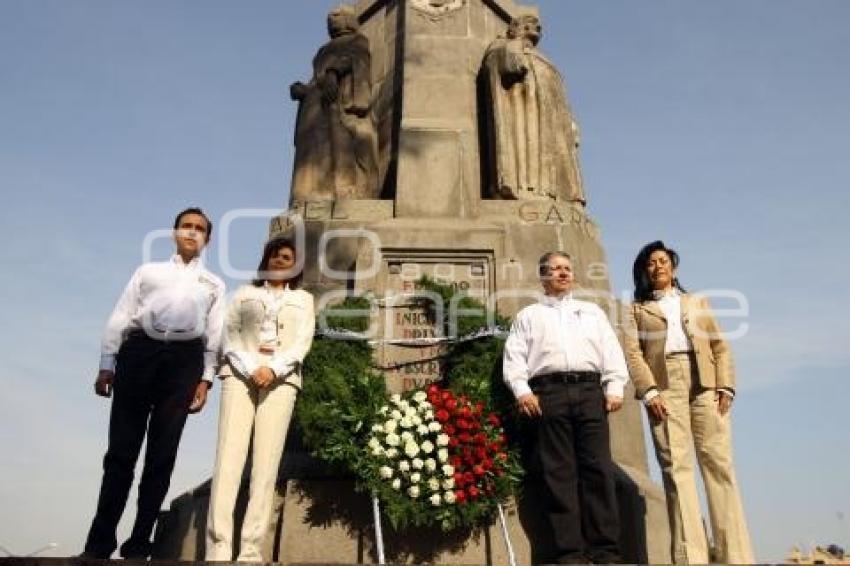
{"x":543,"y":262}
{"x":643,"y":286}
{"x":271,"y":248}
{"x":199,"y":212}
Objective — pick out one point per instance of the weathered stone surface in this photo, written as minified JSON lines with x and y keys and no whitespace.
{"x":336,"y":144}
{"x":435,"y":219}
{"x":532,"y":135}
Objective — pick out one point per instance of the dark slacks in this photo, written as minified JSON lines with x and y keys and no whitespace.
{"x":153,"y":389}
{"x":572,"y":453}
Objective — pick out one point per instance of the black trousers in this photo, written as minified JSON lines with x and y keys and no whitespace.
{"x":572,"y":454}
{"x":154,"y":386}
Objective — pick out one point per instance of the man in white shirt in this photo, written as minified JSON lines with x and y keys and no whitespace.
{"x":566,"y":369}
{"x":158,"y":356}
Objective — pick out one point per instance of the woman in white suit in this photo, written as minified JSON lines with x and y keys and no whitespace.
{"x":268,"y":332}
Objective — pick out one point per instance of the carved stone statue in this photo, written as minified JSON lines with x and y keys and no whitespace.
{"x":532,"y":136}
{"x":336,"y":149}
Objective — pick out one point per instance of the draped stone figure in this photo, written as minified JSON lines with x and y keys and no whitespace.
{"x":336,"y":147}
{"x":532,"y":136}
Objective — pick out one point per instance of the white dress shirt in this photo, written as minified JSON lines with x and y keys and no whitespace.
{"x":279,"y":361}
{"x":670,"y":303}
{"x":563,"y":334}
{"x":171,"y":301}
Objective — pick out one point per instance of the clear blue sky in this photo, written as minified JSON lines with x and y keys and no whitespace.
{"x":720,"y":127}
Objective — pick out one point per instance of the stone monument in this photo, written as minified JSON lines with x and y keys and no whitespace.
{"x":434,"y":139}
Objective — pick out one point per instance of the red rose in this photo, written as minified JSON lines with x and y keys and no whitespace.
{"x":450,"y":404}
{"x":478,"y":470}
{"x":480,"y":453}
{"x":468,"y":477}
{"x":453,"y":442}
{"x":487,"y":463}
{"x":481,"y":438}
{"x":449,"y":429}
{"x":474,"y":492}
{"x":447,"y":395}
{"x":460,"y":496}
{"x":455,"y":461}
{"x":442,"y":415}
{"x":462,"y":424}
{"x":466,"y":412}
{"x":493,"y":419}
{"x":495,"y":446}
{"x":465,"y":437}
{"x":459,"y":479}
{"x":502,"y":456}
{"x":433,"y":388}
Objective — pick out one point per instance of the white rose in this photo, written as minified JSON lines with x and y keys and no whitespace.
{"x":406,"y":436}
{"x":374,"y":443}
{"x":395,"y":398}
{"x":442,"y":454}
{"x":430,"y":464}
{"x":434,"y":426}
{"x":412,"y":449}
{"x":449,"y":496}
{"x":396,"y":414}
{"x":377,"y":428}
{"x":434,"y":484}
{"x":415,"y":477}
{"x":383,"y":410}
{"x":417,"y":464}
{"x":428,"y":416}
{"x":420,"y":396}
{"x":396,"y":484}
{"x":416,"y":420}
{"x":427,"y":447}
{"x":391,"y":453}
{"x":409,"y":412}
{"x":393,"y":439}
{"x":404,"y":466}
{"x":448,"y":483}
{"x":390,"y":426}
{"x":448,"y":470}
{"x":386,"y":472}
{"x":378,"y":451}
{"x":442,"y":440}
{"x":435,"y":500}
{"x":413,"y":491}
{"x":406,"y":422}
{"x":422,"y":430}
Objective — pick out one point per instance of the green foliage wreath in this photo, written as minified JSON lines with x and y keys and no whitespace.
{"x":347,"y":419}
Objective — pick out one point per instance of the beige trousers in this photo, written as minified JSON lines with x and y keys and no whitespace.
{"x":695,"y":423}
{"x":267,"y":411}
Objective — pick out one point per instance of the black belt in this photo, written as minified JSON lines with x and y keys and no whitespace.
{"x":167,"y":337}
{"x":568,"y":377}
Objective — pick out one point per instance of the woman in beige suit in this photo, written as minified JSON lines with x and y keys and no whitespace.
{"x":682,"y":369}
{"x":268,"y":332}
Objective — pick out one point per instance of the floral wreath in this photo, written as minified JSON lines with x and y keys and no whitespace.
{"x":438,"y":456}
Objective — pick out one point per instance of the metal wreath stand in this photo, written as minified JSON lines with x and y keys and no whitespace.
{"x":379,"y":533}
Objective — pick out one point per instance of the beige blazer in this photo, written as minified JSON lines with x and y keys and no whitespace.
{"x":296,"y":323}
{"x":646,"y":334}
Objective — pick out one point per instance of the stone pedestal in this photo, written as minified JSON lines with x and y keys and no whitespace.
{"x":432,"y":220}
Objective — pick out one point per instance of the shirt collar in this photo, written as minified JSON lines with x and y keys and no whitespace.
{"x":553,"y":301}
{"x":270,"y":288}
{"x":669,"y":293}
{"x":194,"y":264}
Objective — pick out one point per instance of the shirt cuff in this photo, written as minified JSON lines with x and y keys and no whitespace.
{"x":242,"y":362}
{"x":650,"y":395}
{"x":282,"y":365}
{"x":520,"y":387}
{"x":107,"y":362}
{"x":614,"y":388}
{"x":210,"y":362}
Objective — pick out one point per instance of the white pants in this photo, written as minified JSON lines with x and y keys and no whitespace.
{"x":267,"y":411}
{"x":695,"y":423}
